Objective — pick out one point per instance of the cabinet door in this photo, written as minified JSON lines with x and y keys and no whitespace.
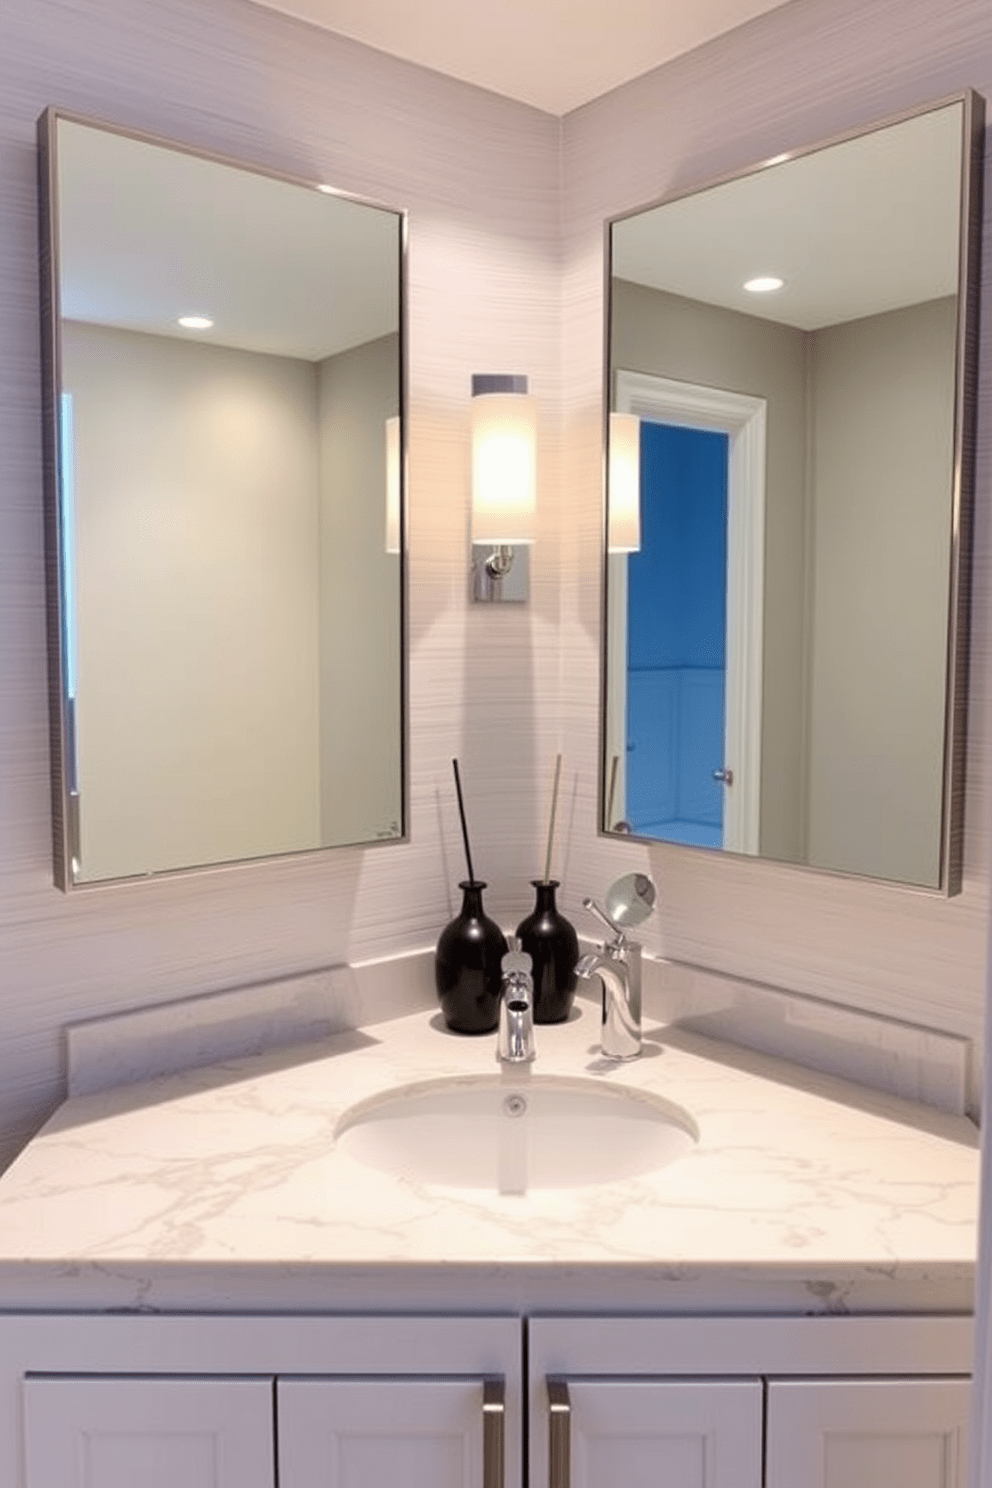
{"x":908,"y":1433}
{"x":105,"y":1432}
{"x":682,"y":1433}
{"x":368,"y":1433}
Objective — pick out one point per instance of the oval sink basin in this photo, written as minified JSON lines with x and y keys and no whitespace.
{"x":514,"y":1133}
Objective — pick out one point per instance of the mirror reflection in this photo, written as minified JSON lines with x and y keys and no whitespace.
{"x":784,"y":500}
{"x":227,"y":373}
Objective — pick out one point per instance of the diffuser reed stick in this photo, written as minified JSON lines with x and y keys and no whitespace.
{"x":551,"y":823}
{"x":461,"y":813}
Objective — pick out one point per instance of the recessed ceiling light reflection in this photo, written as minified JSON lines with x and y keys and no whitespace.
{"x":195,"y":322}
{"x":763,"y":284}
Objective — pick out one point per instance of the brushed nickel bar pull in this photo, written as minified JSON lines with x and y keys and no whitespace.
{"x":493,"y":1419}
{"x":559,"y":1434}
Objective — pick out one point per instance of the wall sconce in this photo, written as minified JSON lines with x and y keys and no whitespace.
{"x":393,"y":484}
{"x":504,"y":486}
{"x":624,"y":493}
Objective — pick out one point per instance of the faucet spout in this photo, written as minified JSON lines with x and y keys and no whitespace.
{"x":618,"y":966}
{"x":515,"y":1039}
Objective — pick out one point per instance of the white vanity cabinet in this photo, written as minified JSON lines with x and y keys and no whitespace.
{"x":234,"y":1402}
{"x":833,"y":1433}
{"x":361,"y":1402}
{"x":419,"y":1433}
{"x":82,"y":1431}
{"x":749,"y":1403}
{"x":116,"y":1432}
{"x":638,"y":1433}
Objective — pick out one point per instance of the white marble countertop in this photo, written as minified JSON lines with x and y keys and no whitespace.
{"x":221,"y":1188}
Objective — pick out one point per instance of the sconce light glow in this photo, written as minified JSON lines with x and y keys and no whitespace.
{"x":624,"y":525}
{"x":504,"y":486}
{"x":393,"y":484}
{"x":504,"y":463}
{"x":764,"y":284}
{"x":195,"y":322}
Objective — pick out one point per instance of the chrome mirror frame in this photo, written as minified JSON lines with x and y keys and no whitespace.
{"x":64,"y":785}
{"x":962,"y":486}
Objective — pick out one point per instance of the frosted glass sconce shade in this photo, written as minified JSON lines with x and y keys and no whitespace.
{"x":624,"y":494}
{"x":504,"y":462}
{"x":393,"y":484}
{"x":504,"y":486}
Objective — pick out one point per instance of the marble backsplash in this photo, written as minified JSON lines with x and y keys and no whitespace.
{"x":899,"y":1058}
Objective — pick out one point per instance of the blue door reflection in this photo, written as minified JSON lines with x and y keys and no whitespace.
{"x":676,"y":638}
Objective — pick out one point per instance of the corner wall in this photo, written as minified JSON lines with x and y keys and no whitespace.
{"x":197,"y":578}
{"x":882,"y":444}
{"x":359,"y":688}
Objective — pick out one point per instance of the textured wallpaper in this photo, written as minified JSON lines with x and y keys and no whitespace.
{"x":505,"y":275}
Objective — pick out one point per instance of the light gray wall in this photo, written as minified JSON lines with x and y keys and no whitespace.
{"x":860,"y":448}
{"x":479,"y":177}
{"x":360,"y":730}
{"x":792,"y":77}
{"x":671,"y":336}
{"x":883,"y":448}
{"x":197,"y":596}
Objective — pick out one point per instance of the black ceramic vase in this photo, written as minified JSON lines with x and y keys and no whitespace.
{"x":553,"y":946}
{"x":467,"y":965}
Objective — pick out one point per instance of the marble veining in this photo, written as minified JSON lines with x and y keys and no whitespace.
{"x":222,"y":1186}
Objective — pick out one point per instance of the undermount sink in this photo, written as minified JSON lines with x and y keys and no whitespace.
{"x":513,"y":1132}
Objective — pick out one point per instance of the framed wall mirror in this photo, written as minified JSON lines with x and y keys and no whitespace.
{"x":224,"y":374}
{"x":791,"y":362}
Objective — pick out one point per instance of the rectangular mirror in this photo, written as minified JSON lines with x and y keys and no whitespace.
{"x":791,"y":387}
{"x":224,"y":471}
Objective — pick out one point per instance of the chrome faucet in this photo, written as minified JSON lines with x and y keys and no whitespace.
{"x":618,"y":965}
{"x":515,"y":1039}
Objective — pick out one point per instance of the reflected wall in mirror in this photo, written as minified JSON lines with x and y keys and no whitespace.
{"x":224,"y":370}
{"x":786,"y":637}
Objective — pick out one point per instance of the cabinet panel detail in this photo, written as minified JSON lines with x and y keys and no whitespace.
{"x":683,"y":1433}
{"x":95,"y":1432}
{"x":363,"y":1433}
{"x":846,"y":1433}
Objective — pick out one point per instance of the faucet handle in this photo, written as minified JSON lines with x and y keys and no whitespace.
{"x":601,"y":914}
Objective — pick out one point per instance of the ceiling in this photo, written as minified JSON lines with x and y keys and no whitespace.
{"x":854,"y":230}
{"x":554,"y":54}
{"x":148,"y":233}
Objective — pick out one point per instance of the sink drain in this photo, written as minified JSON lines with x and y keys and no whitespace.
{"x":514,"y":1105}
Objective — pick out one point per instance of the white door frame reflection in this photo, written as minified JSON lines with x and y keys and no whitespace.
{"x":743,"y":419}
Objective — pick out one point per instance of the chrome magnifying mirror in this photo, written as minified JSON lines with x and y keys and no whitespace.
{"x":630,"y":900}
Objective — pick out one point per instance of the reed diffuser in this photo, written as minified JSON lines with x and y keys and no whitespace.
{"x":470,"y":950}
{"x":549,"y":939}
